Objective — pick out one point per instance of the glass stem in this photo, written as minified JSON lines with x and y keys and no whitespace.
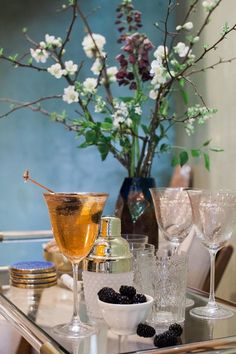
{"x":174,"y":247}
{"x":211,"y":301}
{"x":75,"y":317}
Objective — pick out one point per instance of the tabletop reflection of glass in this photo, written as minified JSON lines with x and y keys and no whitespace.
{"x":53,"y":307}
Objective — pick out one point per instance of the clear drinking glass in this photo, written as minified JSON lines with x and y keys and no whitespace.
{"x":143,"y":267}
{"x":214,"y":216}
{"x":75,"y":219}
{"x":170,"y":281}
{"x":173,"y":214}
{"x":136,"y":238}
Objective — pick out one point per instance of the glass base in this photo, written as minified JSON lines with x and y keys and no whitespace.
{"x":208,"y":313}
{"x":73,"y":331}
{"x":189,"y":302}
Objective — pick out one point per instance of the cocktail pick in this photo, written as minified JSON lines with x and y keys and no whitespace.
{"x":26,"y":177}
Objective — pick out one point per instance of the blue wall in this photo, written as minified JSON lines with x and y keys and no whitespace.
{"x":31,"y":141}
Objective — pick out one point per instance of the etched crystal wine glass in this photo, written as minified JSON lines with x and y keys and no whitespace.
{"x":75,"y":221}
{"x":173,"y":214}
{"x":214,"y":217}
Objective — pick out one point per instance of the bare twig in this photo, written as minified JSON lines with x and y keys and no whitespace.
{"x":165,"y":36}
{"x":69,"y":31}
{"x":207,"y":18}
{"x":21,"y":105}
{"x":20,"y":64}
{"x":195,"y":90}
{"x":213,"y":46}
{"x":189,"y":12}
{"x":212,"y":66}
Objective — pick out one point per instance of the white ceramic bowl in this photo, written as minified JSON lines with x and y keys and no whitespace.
{"x":124,"y":319}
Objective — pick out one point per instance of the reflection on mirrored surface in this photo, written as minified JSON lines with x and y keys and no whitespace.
{"x":54,"y":306}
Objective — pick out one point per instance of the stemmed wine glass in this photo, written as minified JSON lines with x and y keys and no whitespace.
{"x":173,"y":214}
{"x":75,"y":221}
{"x":214,"y":216}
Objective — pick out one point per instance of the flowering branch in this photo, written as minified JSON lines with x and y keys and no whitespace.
{"x":151,"y":72}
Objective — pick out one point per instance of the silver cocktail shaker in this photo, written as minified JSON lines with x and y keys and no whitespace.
{"x":109,"y":263}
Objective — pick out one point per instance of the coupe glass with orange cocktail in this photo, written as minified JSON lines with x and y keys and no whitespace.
{"x":75,"y":221}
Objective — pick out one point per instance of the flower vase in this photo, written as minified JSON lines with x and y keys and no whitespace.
{"x":135,"y":208}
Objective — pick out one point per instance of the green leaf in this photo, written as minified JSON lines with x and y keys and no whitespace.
{"x":190,"y":38}
{"x":216,"y":149}
{"x":1,"y":52}
{"x":182,"y":91}
{"x":104,"y":150}
{"x":108,"y":119}
{"x":175,"y":161}
{"x":13,"y":57}
{"x":183,"y":157}
{"x":126,"y":99}
{"x":185,"y":96}
{"x":225,"y":28}
{"x":164,"y":108}
{"x":88,"y":124}
{"x":181,"y":82}
{"x":106,"y":126}
{"x":196,"y":153}
{"x":84,"y":145}
{"x":164,"y":147}
{"x":207,"y":142}
{"x":90,"y":137}
{"x":145,"y":128}
{"x":206,"y":161}
{"x":162,"y":131}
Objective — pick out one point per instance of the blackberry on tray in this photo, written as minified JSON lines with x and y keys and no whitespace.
{"x":176,"y":329}
{"x":144,"y":330}
{"x":165,"y":339}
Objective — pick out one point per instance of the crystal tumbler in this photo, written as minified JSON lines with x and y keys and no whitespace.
{"x":169,"y":278}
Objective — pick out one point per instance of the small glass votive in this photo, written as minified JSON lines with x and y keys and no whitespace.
{"x":170,"y":282}
{"x":135,"y":238}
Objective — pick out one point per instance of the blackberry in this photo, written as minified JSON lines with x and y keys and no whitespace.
{"x":176,"y":329}
{"x":144,"y":330}
{"x":165,"y":339}
{"x":108,"y":295}
{"x":126,"y":290}
{"x":139,"y":298}
{"x":105,"y":290}
{"x":122,"y":299}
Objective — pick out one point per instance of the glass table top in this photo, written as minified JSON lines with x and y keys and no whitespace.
{"x":34,"y":314}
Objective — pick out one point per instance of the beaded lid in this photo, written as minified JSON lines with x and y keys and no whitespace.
{"x":33,"y":267}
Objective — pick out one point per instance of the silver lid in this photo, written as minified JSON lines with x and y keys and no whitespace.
{"x":110,"y":253}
